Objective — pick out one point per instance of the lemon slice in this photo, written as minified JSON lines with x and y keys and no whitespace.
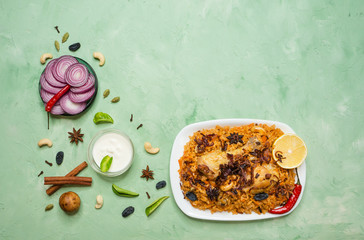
{"x":289,"y":151}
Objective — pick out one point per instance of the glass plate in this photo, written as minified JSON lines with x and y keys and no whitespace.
{"x":177,"y":152}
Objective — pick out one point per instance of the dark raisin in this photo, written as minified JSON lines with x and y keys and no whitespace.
{"x":59,"y":157}
{"x":260,"y":196}
{"x":161,"y":184}
{"x":191,"y":196}
{"x":127,"y":211}
{"x":74,"y":47}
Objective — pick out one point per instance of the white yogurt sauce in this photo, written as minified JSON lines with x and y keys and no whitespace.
{"x":116,"y":146}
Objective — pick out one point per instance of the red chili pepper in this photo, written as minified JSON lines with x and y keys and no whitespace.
{"x":291,"y":201}
{"x":56,"y":97}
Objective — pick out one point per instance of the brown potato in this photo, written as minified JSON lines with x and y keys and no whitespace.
{"x":69,"y":202}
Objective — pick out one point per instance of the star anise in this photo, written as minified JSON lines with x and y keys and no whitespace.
{"x":76,"y":136}
{"x":235,"y":138}
{"x":147,"y":173}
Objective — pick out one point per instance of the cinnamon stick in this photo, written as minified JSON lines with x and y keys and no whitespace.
{"x":74,"y":172}
{"x":68,"y":180}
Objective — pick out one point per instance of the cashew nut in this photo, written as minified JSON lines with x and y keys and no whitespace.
{"x":99,"y":201}
{"x":148,"y":147}
{"x":100,"y":57}
{"x":45,"y":141}
{"x":44,"y":57}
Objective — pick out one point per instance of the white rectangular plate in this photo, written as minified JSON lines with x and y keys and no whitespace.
{"x":177,"y":152}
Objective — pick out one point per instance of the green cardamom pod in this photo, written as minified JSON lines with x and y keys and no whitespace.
{"x":56,"y":44}
{"x":106,"y":93}
{"x":115,"y":99}
{"x":65,"y":37}
{"x":48,"y":207}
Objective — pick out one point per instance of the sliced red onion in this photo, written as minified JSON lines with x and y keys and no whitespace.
{"x":60,"y":67}
{"x":70,"y":107}
{"x":57,"y":110}
{"x":47,"y":87}
{"x":49,"y":75}
{"x":46,"y":96}
{"x":87,"y":86}
{"x":76,"y":75}
{"x":81,"y":97}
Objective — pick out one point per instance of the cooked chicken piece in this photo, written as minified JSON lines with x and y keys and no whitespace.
{"x":266,"y":176}
{"x":209,"y":164}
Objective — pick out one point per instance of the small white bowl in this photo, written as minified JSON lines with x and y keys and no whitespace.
{"x":92,"y":161}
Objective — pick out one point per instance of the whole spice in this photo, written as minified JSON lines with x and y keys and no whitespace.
{"x":76,"y":136}
{"x":41,"y":172}
{"x":147,"y":173}
{"x":154,"y":205}
{"x":106,"y":163}
{"x":127,"y":211}
{"x":123,"y":192}
{"x":131,"y":118}
{"x":101,"y":117}
{"x":49,"y":207}
{"x":65,"y":37}
{"x":147,"y":195}
{"x":74,"y":47}
{"x":59,"y":157}
{"x":56,"y":27}
{"x":140,"y":125}
{"x":74,"y":172}
{"x":50,"y":164}
{"x":56,"y":97}
{"x":290,"y":203}
{"x":292,"y":199}
{"x":106,"y":93}
{"x":87,"y":181}
{"x":56,"y":44}
{"x":115,"y":99}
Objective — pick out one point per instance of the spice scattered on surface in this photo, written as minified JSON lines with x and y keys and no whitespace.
{"x":131,"y":118}
{"x":65,"y":37}
{"x":56,"y":44}
{"x":147,"y":173}
{"x":41,"y":172}
{"x":56,"y":27}
{"x":106,"y":93}
{"x":76,"y":136}
{"x":50,"y":164}
{"x":74,"y":47}
{"x":115,"y":99}
{"x":140,"y":125}
{"x":59,"y":157}
{"x":49,"y":207}
{"x":147,"y":195}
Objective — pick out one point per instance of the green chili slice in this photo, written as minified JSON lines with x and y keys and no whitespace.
{"x":106,"y":163}
{"x":123,"y":192}
{"x":150,"y":209}
{"x":101,"y":117}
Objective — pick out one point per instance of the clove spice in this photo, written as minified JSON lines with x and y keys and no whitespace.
{"x":50,"y":164}
{"x":140,"y":125}
{"x":40,"y":173}
{"x":131,"y":118}
{"x":56,"y":27}
{"x":147,"y":195}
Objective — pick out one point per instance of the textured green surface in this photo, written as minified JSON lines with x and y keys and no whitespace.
{"x":172,"y":64}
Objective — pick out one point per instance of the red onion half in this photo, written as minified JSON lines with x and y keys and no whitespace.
{"x":76,"y":75}
{"x":49,"y":75}
{"x":60,"y":67}
{"x":71,"y":107}
{"x":87,"y":86}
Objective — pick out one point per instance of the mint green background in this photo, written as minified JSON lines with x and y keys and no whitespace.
{"x":174,"y":63}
